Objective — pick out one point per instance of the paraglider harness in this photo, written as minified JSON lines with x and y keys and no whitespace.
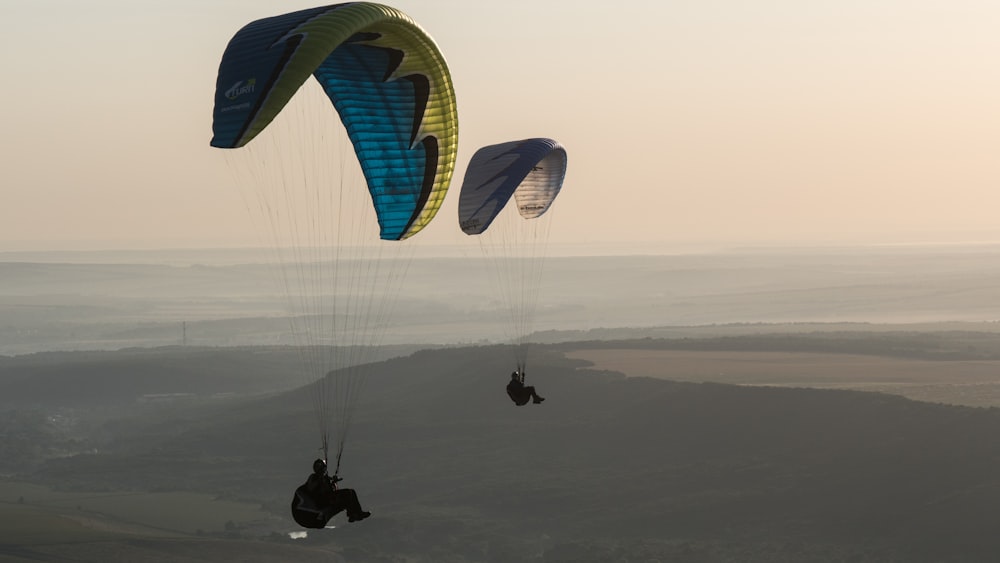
{"x":309,"y":508}
{"x":516,"y":392}
{"x":306,"y":511}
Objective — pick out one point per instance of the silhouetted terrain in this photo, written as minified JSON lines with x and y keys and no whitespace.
{"x":608,"y":469}
{"x":101,"y":379}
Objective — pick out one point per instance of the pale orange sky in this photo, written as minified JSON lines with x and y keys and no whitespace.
{"x":702,"y":121}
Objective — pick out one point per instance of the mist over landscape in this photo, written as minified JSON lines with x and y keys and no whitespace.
{"x":116,"y":300}
{"x":753,"y":405}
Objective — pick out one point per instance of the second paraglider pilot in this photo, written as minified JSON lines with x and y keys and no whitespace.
{"x":521,"y":393}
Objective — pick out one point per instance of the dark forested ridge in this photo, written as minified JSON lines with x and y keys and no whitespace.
{"x":608,"y":469}
{"x":134,"y":375}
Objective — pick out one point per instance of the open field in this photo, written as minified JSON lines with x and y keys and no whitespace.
{"x":35,"y":515}
{"x":40,"y":524}
{"x":960,"y":382}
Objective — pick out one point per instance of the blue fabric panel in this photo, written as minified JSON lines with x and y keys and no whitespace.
{"x":378,"y":117}
{"x":249,"y":68}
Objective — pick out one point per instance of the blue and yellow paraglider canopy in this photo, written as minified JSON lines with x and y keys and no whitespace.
{"x":387,"y":80}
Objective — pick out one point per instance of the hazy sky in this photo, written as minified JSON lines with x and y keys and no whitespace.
{"x":686,"y":122}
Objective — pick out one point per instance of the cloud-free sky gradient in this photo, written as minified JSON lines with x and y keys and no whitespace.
{"x":686,"y":122}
